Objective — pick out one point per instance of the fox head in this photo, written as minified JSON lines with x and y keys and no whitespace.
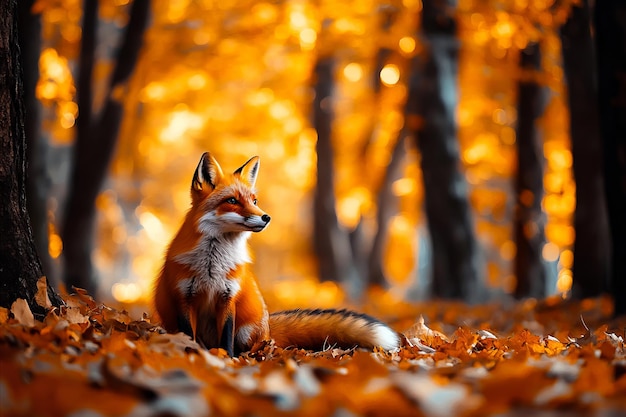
{"x":226,"y":202}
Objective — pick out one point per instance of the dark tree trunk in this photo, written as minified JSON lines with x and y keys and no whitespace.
{"x":332,"y":245}
{"x":95,"y":143}
{"x":20,"y":267}
{"x":529,"y":219}
{"x":610,"y":28}
{"x":591,"y":248}
{"x":430,"y":112}
{"x":384,"y":213}
{"x":79,"y":215}
{"x":37,"y":181}
{"x":373,"y":258}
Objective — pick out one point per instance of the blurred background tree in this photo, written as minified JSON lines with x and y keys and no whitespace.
{"x":529,"y":218}
{"x":96,"y":136}
{"x":327,"y":94}
{"x":592,"y":245}
{"x":430,"y":118}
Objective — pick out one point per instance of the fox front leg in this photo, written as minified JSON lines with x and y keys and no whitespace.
{"x":226,"y":329}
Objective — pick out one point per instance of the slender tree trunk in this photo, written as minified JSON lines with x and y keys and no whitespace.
{"x":529,"y":221}
{"x":373,"y":258}
{"x":591,"y":248}
{"x":430,"y":118}
{"x":79,"y":215}
{"x":331,"y":243}
{"x":385,"y":210}
{"x":95,"y":143}
{"x":38,"y":180}
{"x":610,"y":28}
{"x":20,"y":267}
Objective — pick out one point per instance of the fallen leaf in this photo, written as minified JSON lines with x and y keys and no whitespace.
{"x":21,"y":312}
{"x":4,"y":315}
{"x":559,"y":391}
{"x":41,"y":298}
{"x":282,"y":389}
{"x":596,"y":376}
{"x":419,"y":332}
{"x":74,"y":315}
{"x":434,"y":398}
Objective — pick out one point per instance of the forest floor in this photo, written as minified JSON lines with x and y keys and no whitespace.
{"x":550,"y":358}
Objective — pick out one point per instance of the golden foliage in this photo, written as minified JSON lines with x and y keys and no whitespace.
{"x":235,"y":78}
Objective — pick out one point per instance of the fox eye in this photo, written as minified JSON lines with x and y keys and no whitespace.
{"x":232,"y":200}
{"x":254,"y":201}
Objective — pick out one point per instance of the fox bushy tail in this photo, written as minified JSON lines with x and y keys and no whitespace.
{"x":322,"y":328}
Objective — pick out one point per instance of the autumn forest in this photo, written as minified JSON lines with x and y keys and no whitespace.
{"x":454,"y":168}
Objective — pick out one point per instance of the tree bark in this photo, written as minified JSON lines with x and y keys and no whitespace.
{"x":331,"y":243}
{"x":20,"y":267}
{"x":610,"y":29}
{"x":430,"y":112}
{"x":38,"y":180}
{"x":95,"y":143}
{"x":591,"y":248}
{"x":529,"y":219}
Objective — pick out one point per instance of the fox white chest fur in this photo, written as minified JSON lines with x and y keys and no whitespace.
{"x":211,"y":261}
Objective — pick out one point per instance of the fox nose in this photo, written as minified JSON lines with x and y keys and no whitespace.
{"x":266,"y":218}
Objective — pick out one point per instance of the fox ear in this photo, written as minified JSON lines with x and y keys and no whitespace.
{"x":249,"y":170}
{"x":207,"y":172}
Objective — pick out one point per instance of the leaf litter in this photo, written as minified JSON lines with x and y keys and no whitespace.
{"x":89,"y":359}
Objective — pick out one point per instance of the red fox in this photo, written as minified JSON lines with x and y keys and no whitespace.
{"x":206,"y":287}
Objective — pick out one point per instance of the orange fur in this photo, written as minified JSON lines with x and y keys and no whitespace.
{"x":206,"y":287}
{"x":321,"y":329}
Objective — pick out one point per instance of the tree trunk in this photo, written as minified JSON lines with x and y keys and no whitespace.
{"x":95,"y":143}
{"x":591,"y":248}
{"x":610,"y":28}
{"x":529,"y":220}
{"x":385,"y":209}
{"x":37,"y":180}
{"x":430,"y":112}
{"x":385,"y":201}
{"x":332,"y":245}
{"x":20,"y":267}
{"x":79,"y":215}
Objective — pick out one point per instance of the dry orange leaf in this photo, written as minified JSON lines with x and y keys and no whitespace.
{"x":41,"y":298}
{"x":419,"y":334}
{"x":4,"y":315}
{"x":21,"y":312}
